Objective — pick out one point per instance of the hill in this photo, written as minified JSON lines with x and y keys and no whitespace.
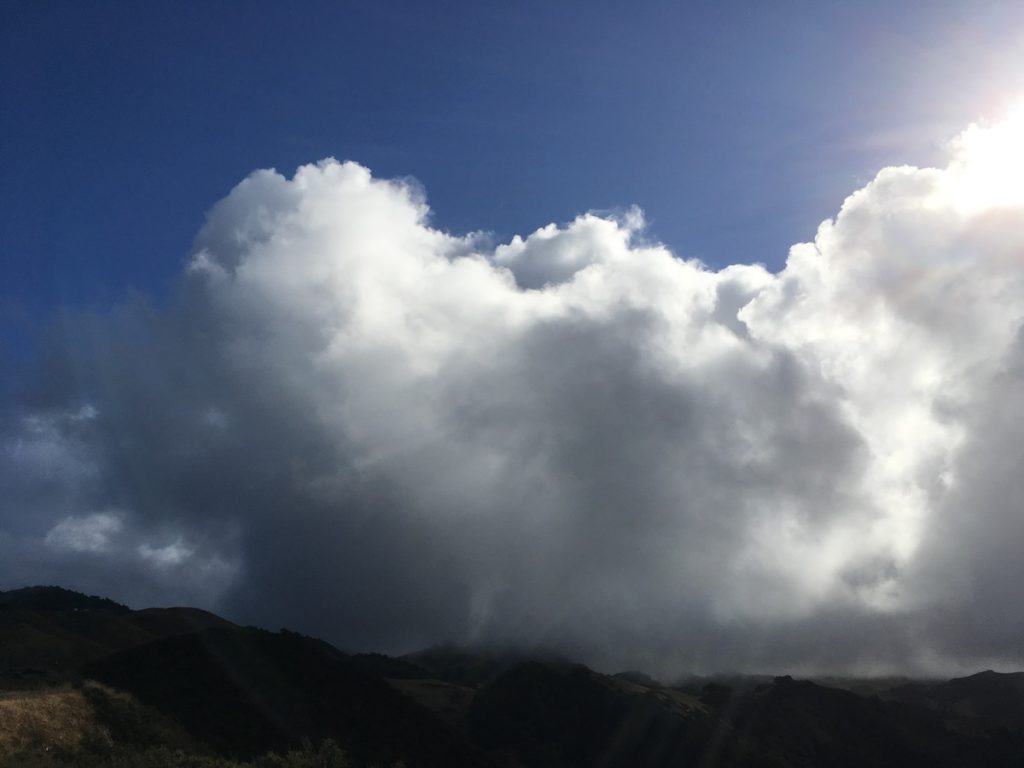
{"x":973,"y":704}
{"x":86,"y":681}
{"x":56,"y":599}
{"x":48,"y":633}
{"x":247,"y":691}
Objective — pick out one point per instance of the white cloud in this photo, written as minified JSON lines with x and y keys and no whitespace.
{"x":577,"y":437}
{"x":173,"y":554}
{"x":92,"y":533}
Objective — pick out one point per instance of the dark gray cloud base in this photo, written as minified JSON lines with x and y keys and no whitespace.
{"x":350,"y":423}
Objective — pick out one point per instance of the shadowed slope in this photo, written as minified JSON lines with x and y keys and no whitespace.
{"x":50,"y":632}
{"x":244,"y":692}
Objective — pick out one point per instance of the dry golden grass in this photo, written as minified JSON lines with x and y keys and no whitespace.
{"x":43,"y":720}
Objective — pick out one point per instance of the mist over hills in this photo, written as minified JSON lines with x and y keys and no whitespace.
{"x":87,"y":681}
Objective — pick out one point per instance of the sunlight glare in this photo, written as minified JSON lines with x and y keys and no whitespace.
{"x":988,"y":166}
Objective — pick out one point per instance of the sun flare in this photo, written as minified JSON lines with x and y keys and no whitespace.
{"x":988,"y":166}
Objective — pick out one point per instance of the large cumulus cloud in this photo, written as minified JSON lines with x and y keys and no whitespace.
{"x":349,"y":422}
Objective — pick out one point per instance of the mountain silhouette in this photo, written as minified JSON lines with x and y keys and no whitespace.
{"x":79,"y":670}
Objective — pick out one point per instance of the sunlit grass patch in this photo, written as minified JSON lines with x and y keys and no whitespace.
{"x":44,"y":720}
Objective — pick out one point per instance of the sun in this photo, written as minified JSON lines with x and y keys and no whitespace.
{"x":987,"y":170}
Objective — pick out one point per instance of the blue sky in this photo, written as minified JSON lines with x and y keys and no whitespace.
{"x":735,"y":126}
{"x":574,"y":437}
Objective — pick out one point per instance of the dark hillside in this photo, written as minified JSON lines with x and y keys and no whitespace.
{"x":977,"y":703}
{"x":462,"y":666}
{"x":244,"y":692}
{"x":47,"y":633}
{"x":547,"y":717}
{"x":799,"y":723}
{"x":56,"y":599}
{"x":182,"y":678}
{"x":167,"y":622}
{"x":570,"y":716}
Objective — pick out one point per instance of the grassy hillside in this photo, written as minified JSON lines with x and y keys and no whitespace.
{"x":96,"y":727}
{"x":44,"y":721}
{"x":68,"y":722}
